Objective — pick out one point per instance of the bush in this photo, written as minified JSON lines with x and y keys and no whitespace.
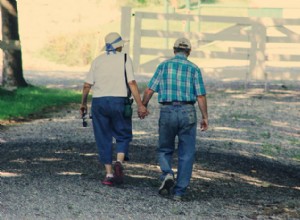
{"x":73,"y":50}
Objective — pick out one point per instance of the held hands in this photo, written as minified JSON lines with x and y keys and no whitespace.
{"x":142,"y":111}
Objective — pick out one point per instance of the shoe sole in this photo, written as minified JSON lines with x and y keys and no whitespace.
{"x":177,"y":198}
{"x":119,"y":174}
{"x":107,"y":184}
{"x":166,"y":185}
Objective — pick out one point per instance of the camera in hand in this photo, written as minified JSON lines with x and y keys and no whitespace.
{"x":84,"y":122}
{"x":84,"y":119}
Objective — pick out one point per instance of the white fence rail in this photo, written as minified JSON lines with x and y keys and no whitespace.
{"x":256,"y":42}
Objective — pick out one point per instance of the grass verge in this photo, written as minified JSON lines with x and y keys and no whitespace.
{"x":25,"y":102}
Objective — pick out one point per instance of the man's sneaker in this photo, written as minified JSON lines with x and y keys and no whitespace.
{"x":118,"y":173}
{"x":108,"y":181}
{"x":177,"y":198}
{"x":166,"y":185}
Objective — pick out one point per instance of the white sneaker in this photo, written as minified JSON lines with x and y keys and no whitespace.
{"x":166,"y":185}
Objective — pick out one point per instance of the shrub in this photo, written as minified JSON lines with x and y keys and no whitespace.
{"x":73,"y":50}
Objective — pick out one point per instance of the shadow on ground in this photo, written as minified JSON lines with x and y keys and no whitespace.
{"x":272,"y":187}
{"x":230,"y":180}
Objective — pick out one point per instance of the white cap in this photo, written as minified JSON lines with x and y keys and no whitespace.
{"x":182,"y":43}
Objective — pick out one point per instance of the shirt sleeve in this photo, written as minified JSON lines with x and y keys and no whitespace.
{"x":129,"y":69}
{"x":199,"y":84}
{"x":155,"y":80}
{"x":90,"y":75}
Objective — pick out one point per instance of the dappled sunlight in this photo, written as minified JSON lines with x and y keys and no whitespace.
{"x":292,"y":104}
{"x":248,"y":119}
{"x":64,"y":152}
{"x":240,"y":96}
{"x":223,"y":104}
{"x":297,"y":135}
{"x":9,"y":174}
{"x":62,"y":86}
{"x":284,"y":125}
{"x":220,"y":139}
{"x":143,"y":166}
{"x":209,"y":175}
{"x":267,"y":156}
{"x":232,"y":91}
{"x":89,"y":154}
{"x":229,"y":129}
{"x":140,"y":176}
{"x":144,"y":135}
{"x":250,"y":93}
{"x":21,"y":161}
{"x":2,"y":141}
{"x":253,"y":180}
{"x":296,"y":159}
{"x":136,"y":132}
{"x":279,"y":93}
{"x":48,"y":159}
{"x":69,"y":173}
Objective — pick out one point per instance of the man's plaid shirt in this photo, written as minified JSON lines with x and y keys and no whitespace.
{"x":177,"y":79}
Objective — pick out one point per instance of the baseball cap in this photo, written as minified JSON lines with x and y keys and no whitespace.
{"x":182,"y":43}
{"x":113,"y":40}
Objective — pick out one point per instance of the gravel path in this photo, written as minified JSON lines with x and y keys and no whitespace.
{"x":247,"y":164}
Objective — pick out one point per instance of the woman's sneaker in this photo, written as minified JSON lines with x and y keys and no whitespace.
{"x":166,"y":185}
{"x":108,"y":181}
{"x":118,"y":173}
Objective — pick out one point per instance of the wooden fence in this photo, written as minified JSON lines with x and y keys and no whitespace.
{"x":250,"y":48}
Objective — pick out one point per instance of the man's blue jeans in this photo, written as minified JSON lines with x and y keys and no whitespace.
{"x":180,"y":121}
{"x":109,"y":122}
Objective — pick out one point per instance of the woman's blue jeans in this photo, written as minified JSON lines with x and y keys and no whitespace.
{"x":180,"y":121}
{"x":109,"y":122}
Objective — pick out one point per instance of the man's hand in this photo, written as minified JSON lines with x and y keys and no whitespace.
{"x":202,"y":103}
{"x":204,"y":124}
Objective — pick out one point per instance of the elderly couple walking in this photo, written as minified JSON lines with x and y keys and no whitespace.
{"x":179,"y":85}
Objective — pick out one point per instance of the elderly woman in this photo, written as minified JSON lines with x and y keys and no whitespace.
{"x":107,"y":77}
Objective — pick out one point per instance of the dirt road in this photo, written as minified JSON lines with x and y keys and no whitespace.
{"x":247,"y":164}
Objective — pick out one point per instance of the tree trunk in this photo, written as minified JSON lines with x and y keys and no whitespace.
{"x":12,"y":75}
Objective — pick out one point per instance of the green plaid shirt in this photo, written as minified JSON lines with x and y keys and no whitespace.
{"x":177,"y":79}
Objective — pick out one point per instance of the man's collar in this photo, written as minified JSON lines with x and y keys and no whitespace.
{"x":181,"y":55}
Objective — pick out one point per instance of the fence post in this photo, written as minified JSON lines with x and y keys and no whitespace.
{"x":137,"y":41}
{"x":166,"y":24}
{"x":125,"y":27}
{"x":199,"y":13}
{"x":258,"y":50}
{"x":188,"y":12}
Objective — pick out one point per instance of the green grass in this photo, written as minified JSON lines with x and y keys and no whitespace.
{"x":297,"y":157}
{"x":271,"y":149}
{"x":24,"y":102}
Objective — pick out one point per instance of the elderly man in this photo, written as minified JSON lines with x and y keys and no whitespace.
{"x":179,"y":85}
{"x":107,"y":77}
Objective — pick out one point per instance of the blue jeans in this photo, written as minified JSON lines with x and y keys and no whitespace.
{"x":109,"y":122}
{"x":181,"y":121}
